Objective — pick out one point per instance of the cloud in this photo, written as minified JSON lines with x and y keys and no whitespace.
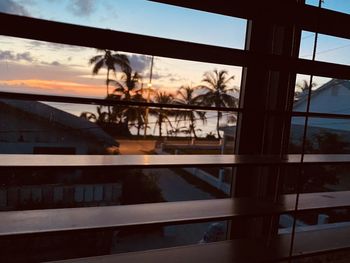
{"x":26,"y":56}
{"x":139,"y":63}
{"x":55,"y":63}
{"x":51,"y":46}
{"x":10,"y":6}
{"x":167,"y":77}
{"x":11,"y":56}
{"x":7,"y":55}
{"x":82,"y":7}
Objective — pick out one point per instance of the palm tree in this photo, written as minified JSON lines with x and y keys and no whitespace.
{"x":186,"y":96}
{"x":99,"y":118}
{"x":138,"y":115}
{"x":216,"y":92}
{"x":109,"y":61}
{"x":128,"y":85}
{"x":303,"y":89}
{"x":128,"y":89}
{"x":161,"y":114}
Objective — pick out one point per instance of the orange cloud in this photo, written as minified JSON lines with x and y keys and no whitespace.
{"x":58,"y":86}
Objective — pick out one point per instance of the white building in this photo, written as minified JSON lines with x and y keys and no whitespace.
{"x":332,"y":97}
{"x":29,"y":127}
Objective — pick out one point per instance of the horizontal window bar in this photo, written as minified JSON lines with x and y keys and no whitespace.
{"x":321,"y":241}
{"x":158,"y":161}
{"x":39,"y":29}
{"x":306,"y":244}
{"x":69,"y":219}
{"x":316,"y":201}
{"x":53,"y":220}
{"x":110,"y":102}
{"x":321,"y":115}
{"x":223,"y":252}
{"x":135,"y":161}
{"x":309,"y":18}
{"x":81,"y":35}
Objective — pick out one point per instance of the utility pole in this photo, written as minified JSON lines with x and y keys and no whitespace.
{"x":149,"y":86}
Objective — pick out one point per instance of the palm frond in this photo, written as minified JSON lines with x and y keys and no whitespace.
{"x":97,"y":67}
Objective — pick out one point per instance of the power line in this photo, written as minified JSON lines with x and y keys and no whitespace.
{"x":327,"y":50}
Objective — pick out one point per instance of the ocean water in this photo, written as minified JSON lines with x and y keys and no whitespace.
{"x":203,"y":129}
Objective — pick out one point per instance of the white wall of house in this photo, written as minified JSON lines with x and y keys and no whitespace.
{"x":21,"y":132}
{"x":332,"y":99}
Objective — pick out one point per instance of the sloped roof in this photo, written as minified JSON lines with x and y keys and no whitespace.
{"x":327,"y":85}
{"x":65,"y":119}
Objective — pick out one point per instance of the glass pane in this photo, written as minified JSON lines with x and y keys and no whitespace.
{"x":321,"y":232}
{"x":78,"y":244}
{"x":323,"y":135}
{"x":34,"y":127}
{"x":329,"y":48}
{"x":328,"y":95}
{"x":328,"y":135}
{"x":140,"y":17}
{"x":31,"y":66}
{"x":320,"y":86}
{"x":23,"y":189}
{"x":296,"y":135}
{"x":336,"y":5}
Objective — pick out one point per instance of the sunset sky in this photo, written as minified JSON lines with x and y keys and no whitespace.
{"x":48,"y":68}
{"x":33,"y":66}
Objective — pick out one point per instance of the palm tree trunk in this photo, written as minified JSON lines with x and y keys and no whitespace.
{"x":160,"y":120}
{"x":217,"y":124}
{"x":108,"y":107}
{"x":192,"y":128}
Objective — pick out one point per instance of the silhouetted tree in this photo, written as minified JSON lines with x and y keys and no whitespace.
{"x":216,"y":92}
{"x":162,"y":115}
{"x":303,"y":88}
{"x":109,"y":61}
{"x":100,"y":118}
{"x":186,"y":96}
{"x":128,"y":89}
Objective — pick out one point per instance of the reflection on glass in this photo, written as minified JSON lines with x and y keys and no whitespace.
{"x":140,"y":17}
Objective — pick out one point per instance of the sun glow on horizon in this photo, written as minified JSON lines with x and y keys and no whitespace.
{"x":58,"y":86}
